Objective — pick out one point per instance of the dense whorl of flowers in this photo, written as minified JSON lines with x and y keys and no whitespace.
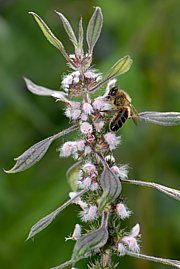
{"x":96,"y":178}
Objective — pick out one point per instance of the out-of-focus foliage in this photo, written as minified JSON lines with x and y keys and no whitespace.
{"x":149,"y":32}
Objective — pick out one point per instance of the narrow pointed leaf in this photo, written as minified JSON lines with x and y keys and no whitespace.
{"x":92,"y":241}
{"x":36,"y":152}
{"x":94,"y":28}
{"x":39,"y":90}
{"x":31,"y":156}
{"x":68,"y":29}
{"x":161,"y":118}
{"x":73,"y":174}
{"x":169,"y":191}
{"x":47,"y":32}
{"x":46,"y":221}
{"x":81,"y":37}
{"x":120,"y":67}
{"x":173,"y":263}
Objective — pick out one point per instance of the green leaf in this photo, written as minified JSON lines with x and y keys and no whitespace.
{"x":94,"y":28}
{"x":31,"y":156}
{"x":47,"y":32}
{"x":46,"y":221}
{"x":35,"y":153}
{"x":81,"y":37}
{"x":111,"y":186}
{"x":68,"y":29}
{"x":72,"y":175}
{"x":92,"y":241}
{"x":120,"y":67}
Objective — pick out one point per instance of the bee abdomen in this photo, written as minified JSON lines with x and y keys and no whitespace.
{"x":118,"y":120}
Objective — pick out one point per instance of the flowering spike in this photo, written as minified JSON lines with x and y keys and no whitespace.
{"x":96,"y":179}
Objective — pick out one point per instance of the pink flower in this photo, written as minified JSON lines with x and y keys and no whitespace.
{"x":89,"y":214}
{"x":112,"y":140}
{"x":69,"y":148}
{"x":94,"y":186}
{"x":99,"y":125}
{"x":86,"y":128}
{"x":87,"y":150}
{"x":85,"y":183}
{"x":88,"y":109}
{"x":81,"y":145}
{"x":89,"y":168}
{"x":130,"y":241}
{"x":84,"y":117}
{"x":121,"y":249}
{"x":122,"y":211}
{"x":121,"y":171}
{"x":76,"y":233}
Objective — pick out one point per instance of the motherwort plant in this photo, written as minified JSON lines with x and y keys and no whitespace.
{"x":96,"y":178}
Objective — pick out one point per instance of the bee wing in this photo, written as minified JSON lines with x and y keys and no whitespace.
{"x":134,"y":115}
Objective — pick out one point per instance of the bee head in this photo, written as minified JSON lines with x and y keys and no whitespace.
{"x":112,"y":92}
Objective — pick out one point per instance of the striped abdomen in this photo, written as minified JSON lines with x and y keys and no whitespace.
{"x":119,"y":119}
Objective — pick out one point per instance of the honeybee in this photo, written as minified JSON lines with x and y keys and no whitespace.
{"x":121,"y":103}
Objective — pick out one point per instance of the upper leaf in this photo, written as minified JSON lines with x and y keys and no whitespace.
{"x":47,"y":32}
{"x":81,"y":37}
{"x":94,"y":28}
{"x":68,"y":29}
{"x":120,"y":67}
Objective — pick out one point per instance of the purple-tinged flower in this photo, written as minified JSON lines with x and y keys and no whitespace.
{"x":98,"y":126}
{"x":121,"y":171}
{"x":130,"y":240}
{"x":88,"y":109}
{"x":68,"y":149}
{"x":89,"y":214}
{"x":94,"y":186}
{"x":87,"y":150}
{"x":112,"y":140}
{"x":86,"y":128}
{"x":81,"y":144}
{"x":89,"y":168}
{"x":84,"y":117}
{"x":122,"y":211}
{"x":76,"y":233}
{"x":121,"y":249}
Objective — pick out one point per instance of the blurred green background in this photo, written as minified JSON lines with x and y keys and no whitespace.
{"x":149,"y":32}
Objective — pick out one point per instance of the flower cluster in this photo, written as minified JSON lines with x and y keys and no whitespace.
{"x":96,"y":178}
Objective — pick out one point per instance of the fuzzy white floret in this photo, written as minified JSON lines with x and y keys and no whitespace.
{"x":122,"y":211}
{"x":86,"y":128}
{"x":88,"y":109}
{"x":112,"y":140}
